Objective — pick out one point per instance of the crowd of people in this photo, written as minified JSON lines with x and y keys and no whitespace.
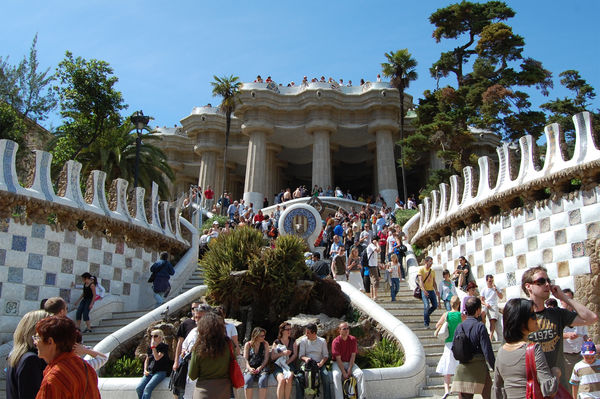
{"x":544,"y":346}
{"x":299,"y":362}
{"x":305,"y":81}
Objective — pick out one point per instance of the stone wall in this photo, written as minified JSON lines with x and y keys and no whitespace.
{"x":587,"y":287}
{"x":532,"y":215}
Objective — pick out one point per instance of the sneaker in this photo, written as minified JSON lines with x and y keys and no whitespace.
{"x":427,"y":327}
{"x":87,"y":330}
{"x":446,"y":395}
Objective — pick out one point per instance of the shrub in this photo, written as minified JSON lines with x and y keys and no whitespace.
{"x":125,"y":366}
{"x":404,"y":215}
{"x":385,"y":353}
{"x":208,"y":222}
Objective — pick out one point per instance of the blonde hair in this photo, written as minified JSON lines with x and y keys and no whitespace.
{"x":394,"y":258}
{"x":255,"y":333}
{"x":158,"y":332}
{"x":455,"y":302}
{"x":22,"y":336}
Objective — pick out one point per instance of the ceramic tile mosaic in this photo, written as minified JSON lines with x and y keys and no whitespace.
{"x":50,"y":279}
{"x":19,"y":243}
{"x":35,"y":261}
{"x":15,"y":275}
{"x":2,"y":257}
{"x":32,"y":292}
{"x":53,"y":248}
{"x":38,"y":230}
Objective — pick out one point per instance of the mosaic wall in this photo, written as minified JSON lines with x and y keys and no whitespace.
{"x":38,"y":262}
{"x":552,"y":234}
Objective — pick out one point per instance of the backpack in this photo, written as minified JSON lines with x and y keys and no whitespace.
{"x":179,"y":376}
{"x":364,"y":259}
{"x":311,"y":378}
{"x":349,"y":388}
{"x":462,"y":348}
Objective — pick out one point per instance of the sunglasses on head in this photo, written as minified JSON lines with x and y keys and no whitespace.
{"x":542,"y":281}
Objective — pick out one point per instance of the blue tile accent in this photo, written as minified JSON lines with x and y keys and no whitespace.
{"x":44,"y":178}
{"x":35,"y":261}
{"x":32,"y":293}
{"x":7,"y":166}
{"x":38,"y":230}
{"x":15,"y":275}
{"x":50,"y":279}
{"x":2,"y":257}
{"x":65,"y":294}
{"x":19,"y":243}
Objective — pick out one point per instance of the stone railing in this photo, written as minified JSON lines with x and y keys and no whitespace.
{"x":531,"y":215}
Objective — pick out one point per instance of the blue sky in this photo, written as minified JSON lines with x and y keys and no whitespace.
{"x":166,"y":53}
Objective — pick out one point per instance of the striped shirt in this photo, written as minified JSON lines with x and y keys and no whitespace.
{"x":587,"y":376}
{"x":69,"y":377}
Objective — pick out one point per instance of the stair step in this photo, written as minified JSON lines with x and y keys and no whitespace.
{"x":137,"y":313}
{"x":122,"y":321}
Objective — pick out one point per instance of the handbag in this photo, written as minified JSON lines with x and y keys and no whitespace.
{"x":417,"y":292}
{"x":235,"y":373}
{"x":442,"y":332}
{"x":533,"y":390}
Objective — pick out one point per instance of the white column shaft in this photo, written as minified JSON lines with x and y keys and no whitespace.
{"x":386,"y":167}
{"x":254,"y":186}
{"x":208,"y":165}
{"x":321,"y":162}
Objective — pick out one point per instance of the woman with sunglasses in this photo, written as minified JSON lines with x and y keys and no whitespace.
{"x":256,"y":354}
{"x":284,"y":379}
{"x":156,"y":366}
{"x":510,"y":378}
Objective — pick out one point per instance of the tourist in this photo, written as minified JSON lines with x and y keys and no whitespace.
{"x":383,"y":236}
{"x":284,"y":354}
{"x":209,"y":362}
{"x":411,"y":203}
{"x":344,"y":349}
{"x":338,"y":264}
{"x":191,"y":339}
{"x":341,"y":82}
{"x":447,"y":364}
{"x":256,"y":354}
{"x":66,"y":376}
{"x":209,"y":196}
{"x":473,"y":377}
{"x":362,"y":82}
{"x":429,"y":291}
{"x":354,"y":269}
{"x":86,"y":302}
{"x":400,"y":251}
{"x":313,"y":349}
{"x":156,"y":366}
{"x":162,"y":270}
{"x":489,"y":298}
{"x":182,"y":332}
{"x":319,"y":266}
{"x":471,"y":291}
{"x":552,"y":321}
{"x":447,"y":290}
{"x":25,"y":369}
{"x":378,"y":77}
{"x":265,"y":202}
{"x":372,"y":254}
{"x":552,"y":303}
{"x":465,"y":274}
{"x":574,"y":337}
{"x":328,"y":236}
{"x":230,"y":329}
{"x":350,"y":85}
{"x":297,"y":193}
{"x":232,"y":209}
{"x":394,"y":272}
{"x":510,"y":376}
{"x":56,"y":306}
{"x":335,"y":246}
{"x":586,"y":374}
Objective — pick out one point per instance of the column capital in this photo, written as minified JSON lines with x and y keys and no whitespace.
{"x":383,"y":124}
{"x":274,"y":147}
{"x":320,"y":125}
{"x":257,"y":126}
{"x":201,"y":149}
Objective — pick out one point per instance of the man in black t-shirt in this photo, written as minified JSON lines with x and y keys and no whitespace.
{"x":551,"y":321}
{"x":320,"y":267}
{"x":184,"y":329}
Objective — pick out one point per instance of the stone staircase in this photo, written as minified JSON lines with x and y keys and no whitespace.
{"x":409,"y":310}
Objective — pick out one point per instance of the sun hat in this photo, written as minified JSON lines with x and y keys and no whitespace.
{"x":588,"y":348}
{"x":471,"y":285}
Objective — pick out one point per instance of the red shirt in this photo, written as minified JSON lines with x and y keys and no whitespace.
{"x":208,"y":194}
{"x":344,"y":349}
{"x":259,"y":218}
{"x":382,"y":238}
{"x":66,"y":377}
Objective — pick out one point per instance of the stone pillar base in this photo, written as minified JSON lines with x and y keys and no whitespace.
{"x":389,"y":196}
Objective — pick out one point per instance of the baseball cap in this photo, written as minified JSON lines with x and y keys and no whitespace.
{"x":471,"y":285}
{"x":588,"y":348}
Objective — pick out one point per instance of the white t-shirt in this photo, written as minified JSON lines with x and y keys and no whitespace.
{"x":231,"y":330}
{"x":391,"y":243}
{"x":372,"y":255}
{"x":490,"y":295}
{"x":574,"y":345}
{"x":189,"y":341}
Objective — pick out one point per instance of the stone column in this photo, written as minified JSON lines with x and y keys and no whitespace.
{"x":387,"y":184}
{"x":271,"y":184}
{"x":208,"y":166}
{"x":254,"y":187}
{"x":321,"y":162}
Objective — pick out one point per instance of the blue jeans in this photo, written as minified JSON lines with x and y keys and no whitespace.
{"x":395,"y":287}
{"x":447,"y":305}
{"x":159,"y":298}
{"x":83,"y":310}
{"x":148,"y":383}
{"x":428,"y":308}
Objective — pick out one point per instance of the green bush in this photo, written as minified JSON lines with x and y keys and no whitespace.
{"x":385,"y":353}
{"x":208,"y":222}
{"x":126,"y":366}
{"x":404,"y":215}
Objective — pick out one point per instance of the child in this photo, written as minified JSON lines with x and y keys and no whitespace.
{"x":447,"y":289}
{"x":586,"y":373}
{"x":394,"y":270}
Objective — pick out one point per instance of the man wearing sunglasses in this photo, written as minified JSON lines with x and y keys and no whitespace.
{"x":551,"y":321}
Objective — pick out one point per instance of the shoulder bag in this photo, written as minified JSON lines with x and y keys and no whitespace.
{"x":442,"y":332}
{"x":533,"y":390}
{"x":417,"y":293}
{"x":235,"y":373}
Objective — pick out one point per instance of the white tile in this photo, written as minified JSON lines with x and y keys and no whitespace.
{"x":562,"y":252}
{"x":513,"y":292}
{"x":579,"y":266}
{"x":552,"y":270}
{"x":487,"y":241}
{"x":80,"y":267}
{"x":495,"y":227}
{"x":543,"y":212}
{"x":510,"y":264}
{"x":590,"y":213}
{"x":508,"y":235}
{"x":531,"y":228}
{"x":571,"y":204}
{"x":534,"y":258}
{"x":498,"y":253}
{"x":520,"y":246}
{"x":576,"y":233}
{"x":545,"y":240}
{"x":559,"y":221}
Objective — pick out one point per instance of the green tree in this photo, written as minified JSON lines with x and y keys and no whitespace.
{"x":401,"y":69}
{"x":12,"y":126}
{"x":227,"y":87}
{"x":27,"y":89}
{"x":114,"y":153}
{"x":89,"y":105}
{"x":563,"y":109}
{"x":491,"y":75}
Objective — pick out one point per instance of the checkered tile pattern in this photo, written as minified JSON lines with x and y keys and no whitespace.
{"x":552,"y":235}
{"x":37,"y":262}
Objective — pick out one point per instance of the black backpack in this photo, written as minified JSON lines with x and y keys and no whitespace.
{"x":462,"y":348}
{"x":179,"y":376}
{"x":364,"y":259}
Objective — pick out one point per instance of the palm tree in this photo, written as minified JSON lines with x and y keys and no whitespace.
{"x":115,"y":154}
{"x":400,"y":68}
{"x":228,"y":88}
